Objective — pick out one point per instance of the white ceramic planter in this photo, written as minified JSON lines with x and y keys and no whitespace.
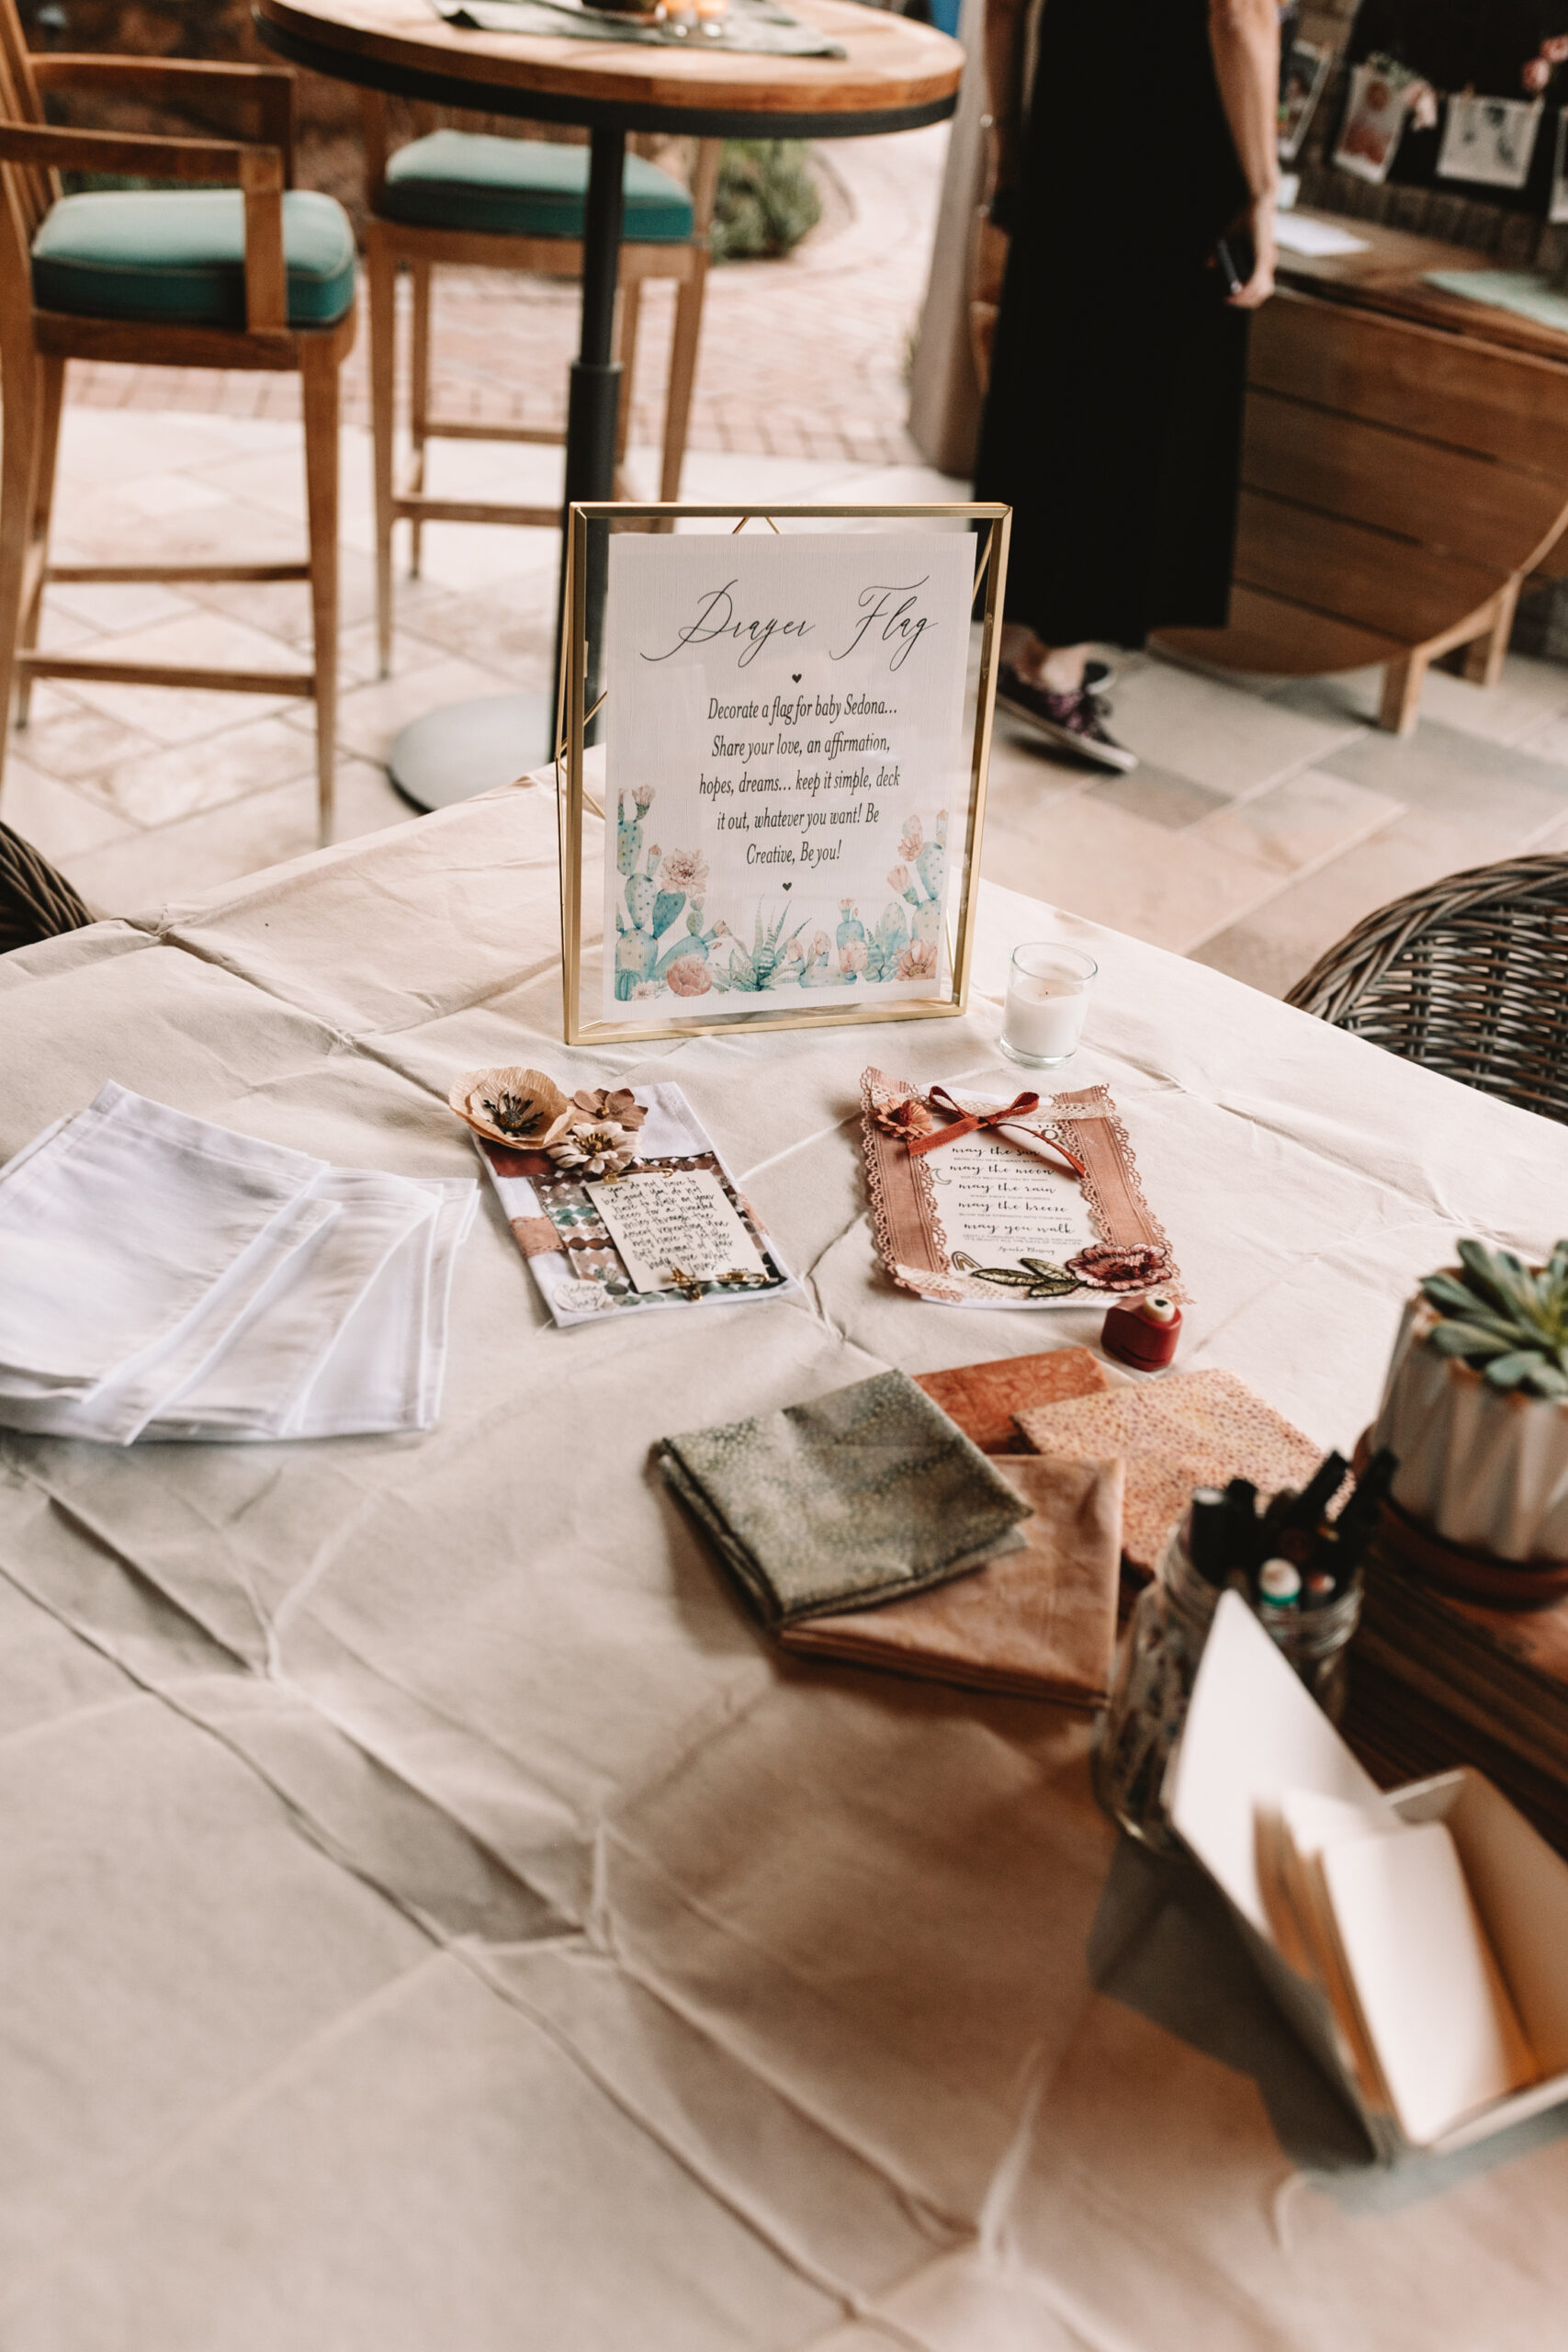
{"x":1481,"y":1466}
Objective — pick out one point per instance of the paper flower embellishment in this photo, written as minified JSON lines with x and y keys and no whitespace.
{"x":906,"y":1119}
{"x":597,"y":1148}
{"x":591,"y":1105}
{"x":1108,"y":1269}
{"x":519,"y":1107}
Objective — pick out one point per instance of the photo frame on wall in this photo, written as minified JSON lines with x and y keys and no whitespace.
{"x":1488,"y":141}
{"x":771,"y":756}
{"x":1302,"y":79}
{"x":1375,"y":112}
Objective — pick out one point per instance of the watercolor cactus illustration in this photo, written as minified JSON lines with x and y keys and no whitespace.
{"x":654,"y":946}
{"x":890,"y":941}
{"x":816,"y":970}
{"x":665,"y":946}
{"x":854,"y":947}
{"x":922,"y":887}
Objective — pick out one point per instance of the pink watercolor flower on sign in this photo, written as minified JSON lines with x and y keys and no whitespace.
{"x":685,"y":870}
{"x":918,"y":960}
{"x":689,"y":976}
{"x":899,"y":879}
{"x":853,"y":955}
{"x":913,"y":841}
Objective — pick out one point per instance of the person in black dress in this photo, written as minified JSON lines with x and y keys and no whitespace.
{"x":1113,"y":423}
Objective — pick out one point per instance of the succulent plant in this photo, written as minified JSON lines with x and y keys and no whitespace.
{"x":1505,"y":1319}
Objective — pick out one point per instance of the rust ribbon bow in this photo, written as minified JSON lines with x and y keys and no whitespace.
{"x":968,"y":1123}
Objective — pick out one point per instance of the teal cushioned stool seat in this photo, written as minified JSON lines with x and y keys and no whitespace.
{"x":522,"y":188}
{"x":178,"y":256}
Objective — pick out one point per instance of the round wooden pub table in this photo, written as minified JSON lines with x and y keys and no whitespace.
{"x":895,"y":75}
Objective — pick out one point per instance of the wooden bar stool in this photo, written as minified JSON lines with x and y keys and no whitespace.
{"x":482,"y":203}
{"x":241,"y":275}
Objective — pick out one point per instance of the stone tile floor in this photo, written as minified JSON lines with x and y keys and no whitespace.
{"x":1266,"y":816}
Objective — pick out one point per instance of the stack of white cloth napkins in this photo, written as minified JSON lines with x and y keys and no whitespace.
{"x":163,"y":1278}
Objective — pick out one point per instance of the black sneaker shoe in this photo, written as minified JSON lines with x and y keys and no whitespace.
{"x":1072,"y":722}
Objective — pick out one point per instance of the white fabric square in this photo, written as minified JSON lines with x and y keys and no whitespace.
{"x":161,"y":1275}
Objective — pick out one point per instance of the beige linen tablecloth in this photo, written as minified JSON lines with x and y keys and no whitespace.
{"x":430,"y":1917}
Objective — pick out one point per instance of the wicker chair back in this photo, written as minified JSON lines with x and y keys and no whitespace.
{"x":35,"y":900}
{"x":1469,"y":977}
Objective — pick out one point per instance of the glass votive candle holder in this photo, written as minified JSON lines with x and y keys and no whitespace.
{"x":1047,"y":998}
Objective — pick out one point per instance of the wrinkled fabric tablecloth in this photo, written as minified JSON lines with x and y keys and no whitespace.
{"x":431,"y":1916}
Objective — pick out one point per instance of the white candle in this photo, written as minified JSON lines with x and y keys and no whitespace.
{"x":1046,"y":1000}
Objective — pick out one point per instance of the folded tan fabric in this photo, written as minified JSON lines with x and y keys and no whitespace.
{"x":1040,"y":1623}
{"x":983,"y":1397}
{"x":1193,"y":1429}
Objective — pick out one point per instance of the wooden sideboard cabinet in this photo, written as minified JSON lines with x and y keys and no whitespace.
{"x":1405,"y":472}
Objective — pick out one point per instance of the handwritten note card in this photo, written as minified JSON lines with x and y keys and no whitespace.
{"x":786,"y":776}
{"x":676,"y":1220}
{"x":1000,"y":1204}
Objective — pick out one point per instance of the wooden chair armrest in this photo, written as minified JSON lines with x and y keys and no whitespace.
{"x":268,"y":90}
{"x":257,"y":171}
{"x":267,"y":271}
{"x":138,"y":154}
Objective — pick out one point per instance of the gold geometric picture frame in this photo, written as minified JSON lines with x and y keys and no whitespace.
{"x":580,"y":698}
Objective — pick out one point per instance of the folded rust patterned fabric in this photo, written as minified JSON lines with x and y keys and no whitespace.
{"x":1036,"y":1623}
{"x":1190,"y":1429}
{"x":836,"y":1504}
{"x":983,"y":1397}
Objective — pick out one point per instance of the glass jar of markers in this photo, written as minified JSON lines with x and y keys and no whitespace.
{"x":1137,"y":1736}
{"x":1297,"y":1569}
{"x":1316,"y":1639}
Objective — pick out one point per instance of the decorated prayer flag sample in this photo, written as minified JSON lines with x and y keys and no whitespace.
{"x":1026,"y":1203}
{"x":785,"y":756}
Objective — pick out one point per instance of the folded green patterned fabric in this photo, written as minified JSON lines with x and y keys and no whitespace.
{"x":865,"y":1493}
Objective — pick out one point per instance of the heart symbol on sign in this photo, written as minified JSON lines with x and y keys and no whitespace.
{"x":789,"y":886}
{"x":796,"y":675}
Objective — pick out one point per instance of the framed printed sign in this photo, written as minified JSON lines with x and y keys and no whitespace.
{"x":779,"y":824}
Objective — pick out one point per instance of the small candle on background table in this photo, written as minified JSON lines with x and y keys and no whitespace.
{"x":1047,"y":998}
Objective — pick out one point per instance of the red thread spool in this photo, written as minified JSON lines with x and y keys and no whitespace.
{"x":1146,"y":1335}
